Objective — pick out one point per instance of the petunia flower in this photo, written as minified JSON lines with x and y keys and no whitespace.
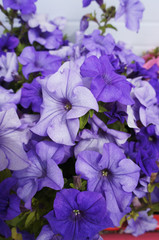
{"x":50,"y":40}
{"x":8,"y":66}
{"x":42,"y":172}
{"x":133,"y":11}
{"x":87,"y":2}
{"x":31,"y":95}
{"x":111,"y":173}
{"x":96,"y":41}
{"x":142,"y":224}
{"x":25,"y":6}
{"x":38,"y":61}
{"x":47,"y":233}
{"x":65,"y":99}
{"x":12,"y":154}
{"x":81,"y":214}
{"x":9,"y":99}
{"x":107,"y":85}
{"x":8,"y":43}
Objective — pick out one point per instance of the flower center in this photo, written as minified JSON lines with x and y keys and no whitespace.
{"x":105,"y":173}
{"x":67,"y":105}
{"x":76,"y":212}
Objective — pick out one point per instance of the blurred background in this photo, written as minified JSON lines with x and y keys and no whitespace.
{"x":146,"y":39}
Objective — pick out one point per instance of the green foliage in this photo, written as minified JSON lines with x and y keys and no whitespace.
{"x":5,"y":174}
{"x":83,"y":120}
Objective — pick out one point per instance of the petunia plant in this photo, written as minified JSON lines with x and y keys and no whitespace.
{"x":79,"y":126}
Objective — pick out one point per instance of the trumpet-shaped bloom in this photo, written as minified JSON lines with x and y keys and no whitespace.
{"x":31,"y":95}
{"x":107,"y":85}
{"x":111,"y":174}
{"x":42,"y":172}
{"x":81,"y":214}
{"x":25,"y":6}
{"x":133,"y":11}
{"x":8,"y":42}
{"x":141,"y":225}
{"x":38,"y":61}
{"x":65,"y":99}
{"x":12,"y":154}
{"x":87,"y":2}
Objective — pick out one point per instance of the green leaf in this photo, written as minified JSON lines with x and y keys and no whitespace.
{"x":111,"y":26}
{"x":150,"y":187}
{"x":91,"y":112}
{"x":102,"y":109}
{"x":30,"y":219}
{"x":72,"y":185}
{"x":84,"y":120}
{"x":5,"y":174}
{"x":15,"y":235}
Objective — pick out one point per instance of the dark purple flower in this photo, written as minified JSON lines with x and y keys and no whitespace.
{"x":84,"y":23}
{"x":133,"y":11}
{"x":9,"y":203}
{"x":25,"y":6}
{"x":65,"y":99}
{"x":4,"y":229}
{"x":31,"y":95}
{"x":141,"y":152}
{"x":8,"y":43}
{"x":116,"y":115}
{"x":42,"y":172}
{"x":50,"y":40}
{"x":141,"y":188}
{"x":112,"y":174}
{"x":87,"y":2}
{"x":78,"y":215}
{"x":12,"y":154}
{"x":141,"y":225}
{"x":107,"y":85}
{"x":38,"y":61}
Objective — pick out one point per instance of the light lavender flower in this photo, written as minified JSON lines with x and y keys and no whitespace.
{"x":12,"y":154}
{"x":65,"y":99}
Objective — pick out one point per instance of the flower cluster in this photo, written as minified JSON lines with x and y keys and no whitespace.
{"x":79,"y":127}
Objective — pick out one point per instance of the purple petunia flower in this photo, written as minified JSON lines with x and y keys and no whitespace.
{"x":87,"y":2}
{"x":9,"y":207}
{"x":99,"y":134}
{"x":107,"y":85}
{"x":133,"y":11}
{"x":25,"y":6}
{"x":111,"y":174}
{"x":81,"y":214}
{"x":42,"y":172}
{"x":141,"y":225}
{"x":9,"y":99}
{"x":12,"y":154}
{"x":96,"y":41}
{"x":31,"y":95}
{"x":8,"y":43}
{"x":65,"y":99}
{"x":50,"y":40}
{"x":4,"y":229}
{"x":47,"y":234}
{"x":8,"y":66}
{"x":38,"y":61}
